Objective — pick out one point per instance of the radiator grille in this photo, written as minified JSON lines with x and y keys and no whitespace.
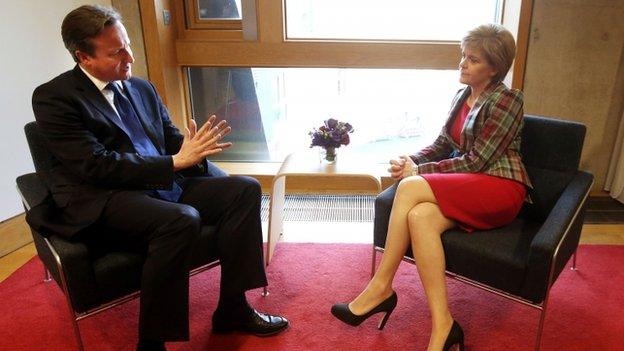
{"x":325,"y":208}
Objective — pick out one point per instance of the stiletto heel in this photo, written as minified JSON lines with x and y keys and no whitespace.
{"x":342,"y":312}
{"x":455,"y":337}
{"x":382,"y":322}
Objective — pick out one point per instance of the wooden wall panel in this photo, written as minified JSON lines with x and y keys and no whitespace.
{"x":575,"y":72}
{"x":131,"y":16}
{"x":164,"y":70}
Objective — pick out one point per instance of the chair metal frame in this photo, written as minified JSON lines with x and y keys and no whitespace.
{"x":551,"y":275}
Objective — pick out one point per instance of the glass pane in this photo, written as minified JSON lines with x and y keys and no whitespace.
{"x":271,"y":110}
{"x":219,"y":9}
{"x":387,"y":20}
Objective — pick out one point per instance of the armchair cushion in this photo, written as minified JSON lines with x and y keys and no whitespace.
{"x":495,"y":257}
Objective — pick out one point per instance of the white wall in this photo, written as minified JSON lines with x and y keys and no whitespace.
{"x":32,"y":53}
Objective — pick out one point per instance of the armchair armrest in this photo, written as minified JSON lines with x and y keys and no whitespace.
{"x":33,"y":193}
{"x":557,"y":238}
{"x":31,"y":189}
{"x":53,"y":249}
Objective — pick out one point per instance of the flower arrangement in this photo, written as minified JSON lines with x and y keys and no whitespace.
{"x":331,"y":135}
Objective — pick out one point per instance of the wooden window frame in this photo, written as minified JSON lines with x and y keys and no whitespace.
{"x":194,"y":22}
{"x":189,"y":26}
{"x":224,"y":48}
{"x":175,"y":47}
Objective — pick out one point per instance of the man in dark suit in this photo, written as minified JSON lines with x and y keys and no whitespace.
{"x":119,"y":162}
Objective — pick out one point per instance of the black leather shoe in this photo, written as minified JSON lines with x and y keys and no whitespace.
{"x":256,"y":323}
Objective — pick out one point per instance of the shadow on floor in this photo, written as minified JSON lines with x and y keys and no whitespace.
{"x":604,"y":210}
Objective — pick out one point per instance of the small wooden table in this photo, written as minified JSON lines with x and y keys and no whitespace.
{"x":350,"y":174}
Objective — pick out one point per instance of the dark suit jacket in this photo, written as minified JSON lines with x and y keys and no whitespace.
{"x":92,"y":155}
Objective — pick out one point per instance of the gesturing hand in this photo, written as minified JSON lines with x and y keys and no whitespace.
{"x":402,"y":168}
{"x":198,"y":144}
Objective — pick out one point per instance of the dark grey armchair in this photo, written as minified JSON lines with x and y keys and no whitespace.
{"x":94,"y":275}
{"x":522,"y":260}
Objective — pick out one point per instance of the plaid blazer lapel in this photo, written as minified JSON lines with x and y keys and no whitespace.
{"x":467,"y":137}
{"x":457,"y":103}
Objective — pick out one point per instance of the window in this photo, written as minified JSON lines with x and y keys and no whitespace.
{"x":213,"y":14}
{"x":219,"y":9}
{"x":271,"y":110}
{"x":423,"y":20}
{"x":399,"y":71}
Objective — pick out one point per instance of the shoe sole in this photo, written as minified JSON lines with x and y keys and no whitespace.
{"x":234,"y":330}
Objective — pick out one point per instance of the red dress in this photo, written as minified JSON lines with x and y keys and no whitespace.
{"x":475,"y":200}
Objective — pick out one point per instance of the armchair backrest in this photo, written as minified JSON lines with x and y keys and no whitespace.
{"x":551,"y":152}
{"x":42,"y":158}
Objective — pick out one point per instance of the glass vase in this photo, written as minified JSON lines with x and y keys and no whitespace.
{"x":328,"y":154}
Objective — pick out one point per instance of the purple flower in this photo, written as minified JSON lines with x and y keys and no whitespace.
{"x":332,"y":133}
{"x":331,"y":123}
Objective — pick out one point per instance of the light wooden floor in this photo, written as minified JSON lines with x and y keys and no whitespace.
{"x":11,"y":262}
{"x":606,"y":234}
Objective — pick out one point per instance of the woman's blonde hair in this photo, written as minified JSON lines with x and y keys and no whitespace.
{"x":496,"y":43}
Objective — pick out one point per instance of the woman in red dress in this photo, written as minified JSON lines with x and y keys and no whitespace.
{"x":471,"y":177}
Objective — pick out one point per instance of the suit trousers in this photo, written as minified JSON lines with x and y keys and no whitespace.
{"x":167,"y":231}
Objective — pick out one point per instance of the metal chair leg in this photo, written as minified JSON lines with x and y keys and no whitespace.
{"x":374,"y":261}
{"x":77,"y":332}
{"x":540,"y":328}
{"x":46,"y":275}
{"x":265,"y":291}
{"x":574,"y":261}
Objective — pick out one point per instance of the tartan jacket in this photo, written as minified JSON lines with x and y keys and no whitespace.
{"x":489,"y":141}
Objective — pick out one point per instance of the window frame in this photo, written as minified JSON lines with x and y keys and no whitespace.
{"x":194,"y":22}
{"x":172,"y":48}
{"x":270,"y":47}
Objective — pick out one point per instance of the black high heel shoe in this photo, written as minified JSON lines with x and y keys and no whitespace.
{"x":455,"y":337}
{"x":342,"y":312}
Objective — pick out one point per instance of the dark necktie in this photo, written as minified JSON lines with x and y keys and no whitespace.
{"x":142,"y":144}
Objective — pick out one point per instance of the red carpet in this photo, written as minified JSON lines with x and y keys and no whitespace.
{"x":586,"y":309}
